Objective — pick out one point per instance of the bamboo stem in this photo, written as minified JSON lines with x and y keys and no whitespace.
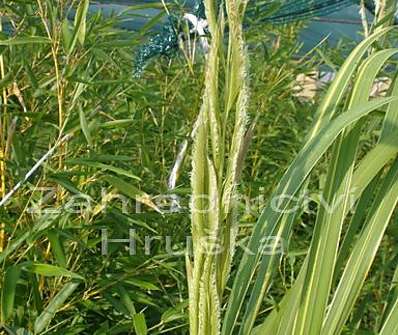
{"x":55,"y":43}
{"x":3,"y":145}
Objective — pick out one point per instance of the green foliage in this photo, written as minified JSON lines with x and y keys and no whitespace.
{"x":312,"y":314}
{"x":63,"y":77}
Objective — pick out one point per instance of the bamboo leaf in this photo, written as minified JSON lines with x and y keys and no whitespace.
{"x":140,"y":326}
{"x":79,"y":32}
{"x":125,"y":298}
{"x":66,"y":35}
{"x":51,"y":271}
{"x":41,"y":225}
{"x":85,"y":127}
{"x":25,"y":40}
{"x":57,"y":247}
{"x":102,"y":166}
{"x":55,"y":304}
{"x":65,"y":182}
{"x":131,"y":191}
{"x":8,"y":291}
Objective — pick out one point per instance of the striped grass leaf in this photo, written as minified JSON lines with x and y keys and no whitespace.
{"x":355,"y":224}
{"x":383,"y":152}
{"x":363,"y":254}
{"x":283,"y":318}
{"x":323,"y":251}
{"x":365,"y":178}
{"x":366,"y":76}
{"x":268,"y":223}
{"x":341,"y":82}
{"x":393,"y":295}
{"x":390,"y":327}
{"x":275,"y":228}
{"x":259,"y":289}
{"x":329,"y":105}
{"x":390,"y":324}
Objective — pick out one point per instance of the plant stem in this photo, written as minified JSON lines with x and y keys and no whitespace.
{"x":3,"y":145}
{"x":55,"y":43}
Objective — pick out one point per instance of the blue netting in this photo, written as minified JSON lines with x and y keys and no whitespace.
{"x":296,"y":10}
{"x":268,"y":11}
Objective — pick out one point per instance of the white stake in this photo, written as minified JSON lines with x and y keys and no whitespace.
{"x":33,"y":169}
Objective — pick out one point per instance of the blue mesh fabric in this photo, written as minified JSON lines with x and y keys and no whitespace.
{"x":271,"y":11}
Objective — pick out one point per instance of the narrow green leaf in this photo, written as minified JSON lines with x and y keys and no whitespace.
{"x":390,"y":326}
{"x":80,"y":20}
{"x":10,"y":282}
{"x":79,"y":32}
{"x":117,"y":123}
{"x":57,"y":247}
{"x":140,"y":326}
{"x":85,"y":127}
{"x":66,"y":35}
{"x":339,"y":85}
{"x":40,"y":226}
{"x":65,"y":182}
{"x":25,"y":40}
{"x":131,"y":191}
{"x":55,"y":304}
{"x":337,"y":192}
{"x":102,"y":166}
{"x":51,"y":271}
{"x":174,"y":313}
{"x":268,"y":223}
{"x":363,"y":254}
{"x":143,"y":284}
{"x":126,"y":300}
